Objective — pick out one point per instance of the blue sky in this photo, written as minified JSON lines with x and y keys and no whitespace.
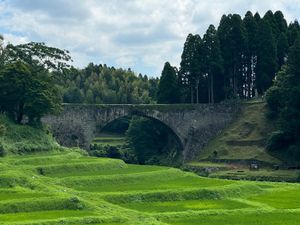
{"x":140,"y":34}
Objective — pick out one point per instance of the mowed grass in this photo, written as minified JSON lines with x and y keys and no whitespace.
{"x":240,"y":218}
{"x":285,"y":199}
{"x":93,"y":169}
{"x":43,"y":215}
{"x":68,"y":187}
{"x":147,"y":181}
{"x":184,"y":205}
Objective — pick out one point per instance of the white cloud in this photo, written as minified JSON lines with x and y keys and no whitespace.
{"x":132,"y":33}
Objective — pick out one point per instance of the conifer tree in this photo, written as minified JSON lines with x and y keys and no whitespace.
{"x":266,"y":57}
{"x":282,"y":49}
{"x":213,"y":64}
{"x":250,"y":61}
{"x":168,"y":86}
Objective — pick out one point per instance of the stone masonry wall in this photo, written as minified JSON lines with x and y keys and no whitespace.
{"x":195,"y":125}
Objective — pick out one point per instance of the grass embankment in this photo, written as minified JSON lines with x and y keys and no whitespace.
{"x":68,"y":187}
{"x":16,"y":139}
{"x":243,"y":142}
{"x":244,"y":139}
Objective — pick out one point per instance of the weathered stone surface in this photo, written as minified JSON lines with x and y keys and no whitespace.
{"x":194,"y":125}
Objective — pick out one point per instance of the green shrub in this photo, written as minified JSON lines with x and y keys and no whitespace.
{"x":127,"y":154}
{"x":279,"y":140}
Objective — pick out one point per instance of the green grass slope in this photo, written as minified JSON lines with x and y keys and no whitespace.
{"x":68,"y":187}
{"x":244,"y":139}
{"x":21,"y":139}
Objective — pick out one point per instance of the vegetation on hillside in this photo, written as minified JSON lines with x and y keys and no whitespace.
{"x":283,"y":99}
{"x":244,"y":139}
{"x":16,"y":139}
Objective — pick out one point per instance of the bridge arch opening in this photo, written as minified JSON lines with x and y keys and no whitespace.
{"x":139,"y":139}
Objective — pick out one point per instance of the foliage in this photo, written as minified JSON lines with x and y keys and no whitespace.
{"x":238,"y":60}
{"x":168,"y":86}
{"x":24,"y":139}
{"x":36,"y":54}
{"x":26,"y":85}
{"x":266,"y":57}
{"x":122,"y":152}
{"x":25,"y":93}
{"x":150,"y":140}
{"x":101,"y":84}
{"x":284,"y":102}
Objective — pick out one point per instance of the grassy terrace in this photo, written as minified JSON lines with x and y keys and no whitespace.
{"x":109,"y":139}
{"x":244,"y":139}
{"x":70,"y":188}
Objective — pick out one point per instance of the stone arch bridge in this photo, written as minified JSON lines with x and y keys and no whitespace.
{"x":194,"y":125}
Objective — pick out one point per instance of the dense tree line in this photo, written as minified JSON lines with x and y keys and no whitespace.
{"x":283,"y":99}
{"x":100,"y":84}
{"x":239,"y":59}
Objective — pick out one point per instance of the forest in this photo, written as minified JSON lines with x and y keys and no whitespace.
{"x":239,"y":59}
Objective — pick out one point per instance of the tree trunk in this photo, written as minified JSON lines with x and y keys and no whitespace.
{"x":208,"y":89}
{"x":197,"y":91}
{"x":212,"y":89}
{"x":192,"y":95}
{"x":20,"y":113}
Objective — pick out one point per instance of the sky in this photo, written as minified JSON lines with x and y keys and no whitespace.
{"x":137,"y":34}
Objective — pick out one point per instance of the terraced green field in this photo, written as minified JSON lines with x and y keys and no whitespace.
{"x":109,"y":139}
{"x":70,"y":188}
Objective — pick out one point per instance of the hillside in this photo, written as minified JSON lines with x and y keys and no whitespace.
{"x":243,"y":143}
{"x":70,"y":188}
{"x":21,"y":139}
{"x":244,"y":139}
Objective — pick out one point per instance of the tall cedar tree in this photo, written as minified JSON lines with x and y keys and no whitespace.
{"x":293,"y":32}
{"x":250,"y":59}
{"x":232,"y":39}
{"x":190,"y":67}
{"x":282,"y":49}
{"x":213,"y":64}
{"x":168,"y":92}
{"x":252,"y":49}
{"x":266,"y":57}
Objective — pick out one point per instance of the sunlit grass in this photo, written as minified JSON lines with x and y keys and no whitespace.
{"x":67,"y":187}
